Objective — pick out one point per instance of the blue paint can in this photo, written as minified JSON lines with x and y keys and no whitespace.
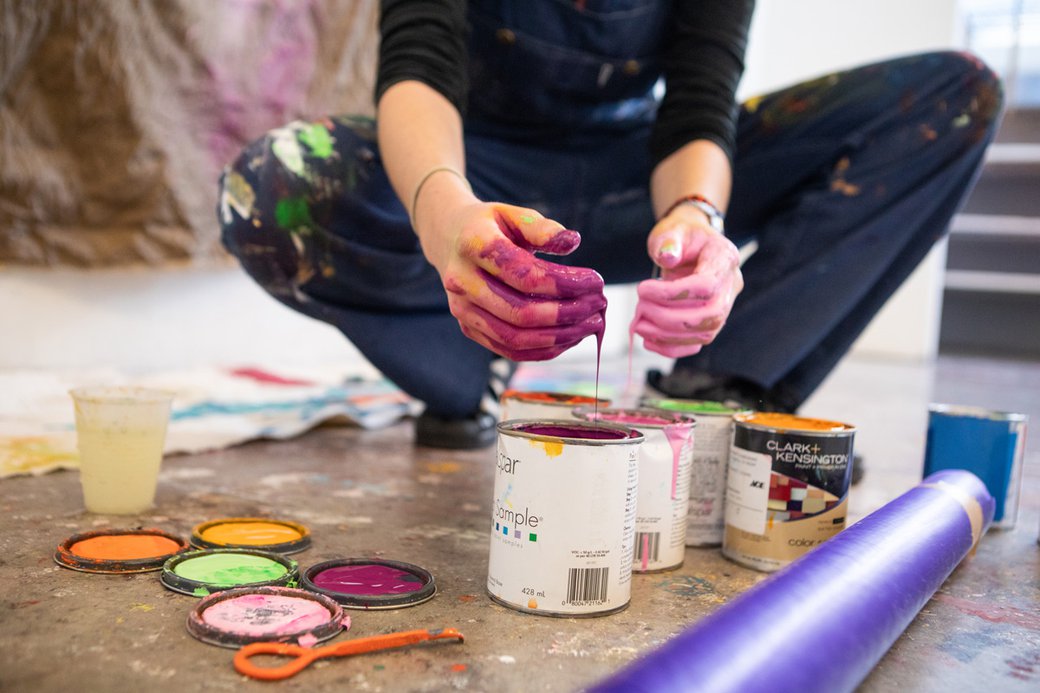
{"x":987,"y":443}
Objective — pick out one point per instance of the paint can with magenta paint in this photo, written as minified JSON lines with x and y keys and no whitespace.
{"x":706,"y":520}
{"x":563,"y":517}
{"x":787,"y":487}
{"x":665,"y":462}
{"x":517,"y":404}
{"x":989,"y":444}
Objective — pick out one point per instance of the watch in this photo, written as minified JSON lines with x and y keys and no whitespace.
{"x":716,"y":219}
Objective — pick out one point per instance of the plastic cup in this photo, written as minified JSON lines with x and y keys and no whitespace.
{"x":120,"y":432}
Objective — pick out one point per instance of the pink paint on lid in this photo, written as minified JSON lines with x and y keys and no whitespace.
{"x":264,"y":615}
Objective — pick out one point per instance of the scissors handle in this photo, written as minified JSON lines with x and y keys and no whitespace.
{"x":303,"y":656}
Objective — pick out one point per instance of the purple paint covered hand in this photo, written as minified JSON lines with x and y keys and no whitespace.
{"x":685,"y":309}
{"x":516,"y":304}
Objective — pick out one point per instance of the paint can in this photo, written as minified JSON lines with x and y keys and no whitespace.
{"x":279,"y":536}
{"x":787,"y":487}
{"x":563,"y":517}
{"x":706,"y":519}
{"x":201,"y":573}
{"x":989,"y":444}
{"x":370,"y":583}
{"x":119,"y":550}
{"x":516,"y":404}
{"x":244,"y":615}
{"x":665,"y":462}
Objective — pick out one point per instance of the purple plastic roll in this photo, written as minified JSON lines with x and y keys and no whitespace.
{"x":822,"y":623}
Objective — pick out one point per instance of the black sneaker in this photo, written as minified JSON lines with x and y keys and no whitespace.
{"x":475,"y":431}
{"x":733,"y":392}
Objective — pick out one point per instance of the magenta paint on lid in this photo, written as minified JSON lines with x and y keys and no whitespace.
{"x":370,"y":583}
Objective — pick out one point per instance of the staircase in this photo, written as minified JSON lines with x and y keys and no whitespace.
{"x":991,"y":297}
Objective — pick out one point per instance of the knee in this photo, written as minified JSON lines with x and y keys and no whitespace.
{"x":980,"y":90}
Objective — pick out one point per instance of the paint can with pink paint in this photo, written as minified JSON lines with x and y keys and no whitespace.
{"x":563,"y":517}
{"x":706,"y":518}
{"x":517,"y":404}
{"x":370,"y":583}
{"x":665,"y":462}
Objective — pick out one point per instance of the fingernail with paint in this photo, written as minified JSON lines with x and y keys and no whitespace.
{"x":669,"y":252}
{"x":563,"y":242}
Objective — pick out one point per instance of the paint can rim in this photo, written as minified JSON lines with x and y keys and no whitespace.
{"x":196,"y":588}
{"x":372,"y":601}
{"x":558,"y":614}
{"x":512,"y":428}
{"x":725,"y":410}
{"x":834,"y":428}
{"x":64,"y":556}
{"x":288,"y":547}
{"x":553,"y":399}
{"x":213,"y":635}
{"x":588,"y":413}
{"x":976,"y":412}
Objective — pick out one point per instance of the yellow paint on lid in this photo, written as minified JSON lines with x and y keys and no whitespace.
{"x":250,"y":532}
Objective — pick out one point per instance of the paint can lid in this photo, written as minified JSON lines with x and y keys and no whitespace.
{"x":243,"y":615}
{"x":697,"y":407}
{"x":784,"y":423}
{"x":119,"y":550}
{"x":370,"y":583}
{"x":279,"y":536}
{"x":203,"y":572}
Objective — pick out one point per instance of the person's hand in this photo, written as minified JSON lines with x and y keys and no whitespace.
{"x":700,"y":278}
{"x":515,"y":304}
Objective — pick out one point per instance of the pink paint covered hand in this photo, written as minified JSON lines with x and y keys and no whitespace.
{"x":700,"y":278}
{"x":505,"y":297}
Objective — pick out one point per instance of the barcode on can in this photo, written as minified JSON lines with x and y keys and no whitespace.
{"x":587,"y":585}
{"x":647,"y":545}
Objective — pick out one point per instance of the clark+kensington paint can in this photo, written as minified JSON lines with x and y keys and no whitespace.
{"x":563,"y":517}
{"x":989,"y":444}
{"x":706,"y":520}
{"x":787,"y":487}
{"x":665,"y":459}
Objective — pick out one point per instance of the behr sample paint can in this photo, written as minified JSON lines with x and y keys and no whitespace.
{"x":989,"y":444}
{"x":706,"y":520}
{"x":787,"y":487}
{"x":665,"y":461}
{"x":563,"y":517}
{"x":516,"y":404}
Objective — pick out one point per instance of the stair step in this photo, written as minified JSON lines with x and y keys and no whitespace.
{"x":992,"y":282}
{"x":1002,"y":225}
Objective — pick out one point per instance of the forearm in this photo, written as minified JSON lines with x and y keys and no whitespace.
{"x":419,"y":131}
{"x":700,"y":167}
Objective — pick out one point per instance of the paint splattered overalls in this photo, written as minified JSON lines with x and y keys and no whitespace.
{"x":845,"y":182}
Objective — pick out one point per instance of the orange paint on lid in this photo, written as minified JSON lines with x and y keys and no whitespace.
{"x":550,"y":397}
{"x":251,"y":533}
{"x":125,"y":547}
{"x":790,"y":422}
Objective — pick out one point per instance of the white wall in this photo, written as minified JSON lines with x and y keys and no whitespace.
{"x":792,"y":40}
{"x":142,"y":320}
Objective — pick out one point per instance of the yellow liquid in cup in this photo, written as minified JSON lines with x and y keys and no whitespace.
{"x":120,"y":448}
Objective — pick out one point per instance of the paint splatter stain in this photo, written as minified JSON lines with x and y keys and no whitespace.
{"x":292,"y":212}
{"x":142,"y":607}
{"x":928,"y":132}
{"x":507,"y":659}
{"x":458,"y":667}
{"x":552,"y":449}
{"x":467,"y":598}
{"x":961,"y":121}
{"x":443,"y":467}
{"x":688,"y":586}
{"x":532,"y":604}
{"x":1023,"y":667}
{"x":527,"y":219}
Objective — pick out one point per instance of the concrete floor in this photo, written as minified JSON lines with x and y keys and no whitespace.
{"x":371,"y":493}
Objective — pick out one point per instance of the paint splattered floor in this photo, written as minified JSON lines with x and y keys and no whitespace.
{"x":371,"y":493}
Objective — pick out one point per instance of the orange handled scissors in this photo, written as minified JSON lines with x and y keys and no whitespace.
{"x":303,"y":656}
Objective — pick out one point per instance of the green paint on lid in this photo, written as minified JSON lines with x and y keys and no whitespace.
{"x":317,"y":139}
{"x":230,"y":569}
{"x":292,"y":212}
{"x":693,"y":406}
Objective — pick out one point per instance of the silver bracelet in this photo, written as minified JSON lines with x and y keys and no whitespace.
{"x":422,"y":182}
